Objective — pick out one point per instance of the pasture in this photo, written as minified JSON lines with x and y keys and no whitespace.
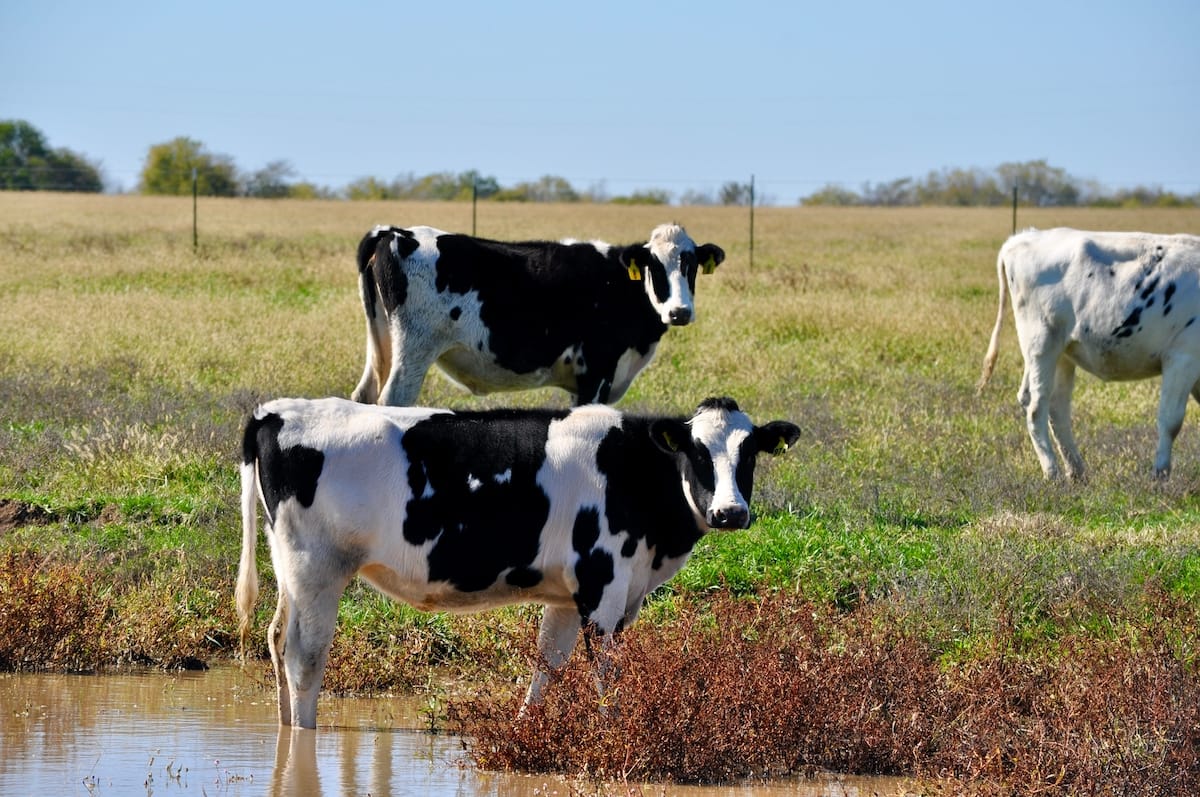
{"x":128,"y":361}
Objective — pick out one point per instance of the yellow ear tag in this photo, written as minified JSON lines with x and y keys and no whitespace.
{"x":635,"y":273}
{"x":780,"y":447}
{"x":670,"y":443}
{"x":709,"y":266}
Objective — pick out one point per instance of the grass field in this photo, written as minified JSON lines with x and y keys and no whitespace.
{"x":128,"y":361}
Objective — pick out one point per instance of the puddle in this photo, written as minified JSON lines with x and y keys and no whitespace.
{"x":215,"y":733}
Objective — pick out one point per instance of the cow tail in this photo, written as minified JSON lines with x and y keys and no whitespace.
{"x":366,"y":274}
{"x":246,"y":592}
{"x":989,"y":359}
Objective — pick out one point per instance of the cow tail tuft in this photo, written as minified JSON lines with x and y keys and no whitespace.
{"x":246,"y":591}
{"x":993,"y":350}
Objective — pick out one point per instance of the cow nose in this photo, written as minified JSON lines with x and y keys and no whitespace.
{"x":680,"y":315}
{"x":730,"y":517}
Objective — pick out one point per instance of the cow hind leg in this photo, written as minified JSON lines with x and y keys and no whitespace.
{"x":413,"y":353}
{"x":309,"y":635}
{"x":556,"y":639}
{"x":1037,"y":387}
{"x":277,"y":642}
{"x":1060,"y":418}
{"x":1180,"y":375}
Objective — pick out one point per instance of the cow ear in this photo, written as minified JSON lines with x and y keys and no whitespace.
{"x":670,"y":435}
{"x":709,"y":256}
{"x":634,"y":259}
{"x":776,"y":437}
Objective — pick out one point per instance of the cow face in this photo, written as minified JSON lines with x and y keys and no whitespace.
{"x":716,"y":451}
{"x":667,"y":266}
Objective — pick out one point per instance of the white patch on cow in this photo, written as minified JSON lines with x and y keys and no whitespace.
{"x":503,"y":478}
{"x":667,"y":243}
{"x":632,"y":361}
{"x":473,"y":483}
{"x":722,"y":434}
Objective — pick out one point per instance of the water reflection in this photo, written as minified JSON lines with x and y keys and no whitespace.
{"x":216,"y":733}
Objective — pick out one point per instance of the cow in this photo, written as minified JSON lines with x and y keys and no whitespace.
{"x":1118,"y":305}
{"x":496,"y":316}
{"x":584,"y":511}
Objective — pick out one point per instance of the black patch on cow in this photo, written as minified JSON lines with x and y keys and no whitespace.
{"x":1127,"y":326}
{"x":474,"y":491}
{"x":378,"y":269}
{"x":629,"y":548}
{"x":1150,"y":288}
{"x":644,"y":495}
{"x":594,"y":568}
{"x":283,"y":473}
{"x":541,"y":298}
{"x":455,"y":313}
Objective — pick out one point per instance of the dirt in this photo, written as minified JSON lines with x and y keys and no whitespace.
{"x":14,"y":514}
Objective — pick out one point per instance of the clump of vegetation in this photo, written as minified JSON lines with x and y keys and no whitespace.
{"x":736,"y":688}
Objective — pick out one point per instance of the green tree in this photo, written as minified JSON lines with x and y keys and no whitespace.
{"x":168,"y":170}
{"x":549,"y":188}
{"x":27,"y":163}
{"x":272,"y":181}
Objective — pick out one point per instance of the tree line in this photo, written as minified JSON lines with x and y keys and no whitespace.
{"x":28,"y":163}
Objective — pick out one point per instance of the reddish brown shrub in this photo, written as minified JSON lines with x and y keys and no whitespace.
{"x":754,"y":688}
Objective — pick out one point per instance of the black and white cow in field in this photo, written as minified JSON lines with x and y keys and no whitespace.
{"x":584,"y":511}
{"x":1118,"y":305}
{"x":497,"y":315}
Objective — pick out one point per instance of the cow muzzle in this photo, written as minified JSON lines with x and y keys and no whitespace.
{"x":680,"y":316}
{"x":728,"y":518}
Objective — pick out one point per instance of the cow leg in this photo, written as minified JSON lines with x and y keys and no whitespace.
{"x":277,"y":642}
{"x":310,"y":627}
{"x":1037,"y":387}
{"x":412,"y":357}
{"x":556,"y":639}
{"x":1180,"y":374}
{"x":1060,"y":417}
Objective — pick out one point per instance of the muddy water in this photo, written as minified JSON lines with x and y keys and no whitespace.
{"x":215,"y":733}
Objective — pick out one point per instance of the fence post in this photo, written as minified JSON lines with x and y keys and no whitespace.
{"x":195,"y":227}
{"x":1014,"y":208}
{"x":474,"y":201}
{"x":752,"y":221}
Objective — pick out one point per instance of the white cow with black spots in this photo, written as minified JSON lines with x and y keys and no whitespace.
{"x":1119,"y":305}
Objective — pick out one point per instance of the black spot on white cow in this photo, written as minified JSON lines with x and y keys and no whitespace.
{"x":584,"y":511}
{"x":497,"y":316}
{"x":1118,"y":305}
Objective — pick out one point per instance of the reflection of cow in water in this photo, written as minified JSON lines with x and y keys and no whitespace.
{"x":584,"y":511}
{"x":1118,"y":305}
{"x":496,"y":316}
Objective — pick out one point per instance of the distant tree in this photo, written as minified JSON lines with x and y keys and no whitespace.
{"x":271,"y":182}
{"x":549,"y":188}
{"x":368,"y":188}
{"x":307,"y":190}
{"x":891,"y":194}
{"x":1039,"y":184}
{"x":27,"y":163}
{"x":649,"y":196}
{"x":168,"y":170}
{"x":694,"y":196}
{"x":832,"y":195}
{"x":734,"y":193}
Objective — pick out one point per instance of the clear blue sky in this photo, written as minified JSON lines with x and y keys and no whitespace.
{"x":622,"y":94}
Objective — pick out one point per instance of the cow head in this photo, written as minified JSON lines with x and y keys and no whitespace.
{"x":668,"y":265}
{"x":715,"y":451}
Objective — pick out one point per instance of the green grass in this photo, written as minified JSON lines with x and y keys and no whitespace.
{"x":129,"y":361}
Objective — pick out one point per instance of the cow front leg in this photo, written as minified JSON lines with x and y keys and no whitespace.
{"x":556,"y":639}
{"x":1179,"y":380}
{"x":1060,"y":418}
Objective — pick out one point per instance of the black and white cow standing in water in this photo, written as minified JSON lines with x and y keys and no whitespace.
{"x":1118,"y":305}
{"x":584,"y":511}
{"x":497,"y":315}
